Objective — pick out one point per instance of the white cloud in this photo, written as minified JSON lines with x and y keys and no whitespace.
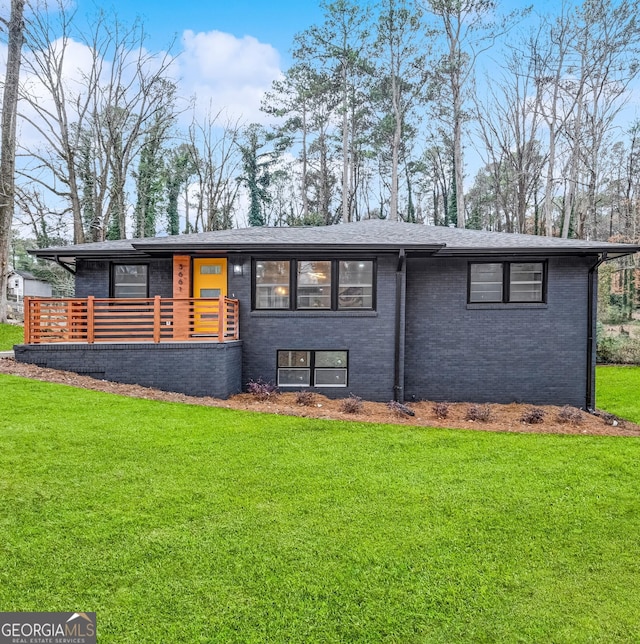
{"x":227,"y":73}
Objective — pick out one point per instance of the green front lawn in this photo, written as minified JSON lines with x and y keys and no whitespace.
{"x":618,"y":391}
{"x":190,"y":524}
{"x":10,"y":334}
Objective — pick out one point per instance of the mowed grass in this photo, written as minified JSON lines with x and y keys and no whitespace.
{"x":10,"y":334}
{"x":185,"y":524}
{"x":618,"y":391}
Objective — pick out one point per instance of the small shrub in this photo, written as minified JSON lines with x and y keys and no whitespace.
{"x":628,"y":351}
{"x":481,"y":413}
{"x":262,"y":390}
{"x":533,"y":416}
{"x":614,"y":314}
{"x":611,"y":419}
{"x":305,"y":398}
{"x":351,"y":405}
{"x":399,"y":409}
{"x":570,"y":415}
{"x":617,"y":349}
{"x":441,"y":409}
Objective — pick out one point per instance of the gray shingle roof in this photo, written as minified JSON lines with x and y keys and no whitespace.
{"x":366,"y":235}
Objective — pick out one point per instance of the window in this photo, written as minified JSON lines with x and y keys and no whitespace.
{"x":525,"y":282}
{"x":294,"y":368}
{"x":301,"y":284}
{"x":130,"y":281}
{"x":355,"y":285}
{"x":314,"y":285}
{"x":312,"y":368}
{"x":272,"y":283}
{"x":507,"y":282}
{"x":486,"y":283}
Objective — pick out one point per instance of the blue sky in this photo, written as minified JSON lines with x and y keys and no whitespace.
{"x":273,"y":23}
{"x":229,"y":52}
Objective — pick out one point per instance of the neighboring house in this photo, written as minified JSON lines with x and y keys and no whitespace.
{"x":379,"y":309}
{"x":21,"y":284}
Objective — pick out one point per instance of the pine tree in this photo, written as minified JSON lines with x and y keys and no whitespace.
{"x":256,"y":175}
{"x":451,"y":217}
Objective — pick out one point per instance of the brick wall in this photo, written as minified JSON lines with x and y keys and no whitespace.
{"x":367,"y":335}
{"x":453,"y":350}
{"x":498,"y":353}
{"x":197,"y":369}
{"x":92,"y":277}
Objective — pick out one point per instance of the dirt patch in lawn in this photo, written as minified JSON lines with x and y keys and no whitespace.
{"x":494,"y":417}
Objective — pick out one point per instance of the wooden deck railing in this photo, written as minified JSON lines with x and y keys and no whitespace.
{"x":130,"y":320}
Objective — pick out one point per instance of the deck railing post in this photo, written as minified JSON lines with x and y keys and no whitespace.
{"x":91,"y":320}
{"x":236,"y":320}
{"x":157,"y":318}
{"x":222,"y":318}
{"x":26,"y":308}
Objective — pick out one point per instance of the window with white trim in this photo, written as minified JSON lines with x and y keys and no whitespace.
{"x":312,"y":368}
{"x":507,"y":282}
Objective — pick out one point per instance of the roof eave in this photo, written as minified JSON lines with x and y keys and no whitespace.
{"x":619,"y":251}
{"x":288,"y":248}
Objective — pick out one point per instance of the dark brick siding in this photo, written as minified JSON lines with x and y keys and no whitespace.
{"x":368,"y":336}
{"x":506,"y":353}
{"x":453,"y":350}
{"x":198,"y":369}
{"x":92,"y":277}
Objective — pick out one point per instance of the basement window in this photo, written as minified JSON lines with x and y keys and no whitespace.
{"x":312,"y":368}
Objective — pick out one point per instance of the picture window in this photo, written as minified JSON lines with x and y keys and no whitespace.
{"x":314,"y":285}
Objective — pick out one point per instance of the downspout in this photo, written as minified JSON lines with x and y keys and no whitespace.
{"x":398,"y":379}
{"x":590,"y":402}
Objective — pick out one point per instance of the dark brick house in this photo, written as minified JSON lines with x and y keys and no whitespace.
{"x":379,"y":309}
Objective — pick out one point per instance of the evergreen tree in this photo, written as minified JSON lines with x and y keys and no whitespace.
{"x":451,"y":216}
{"x":179,"y":168}
{"x":151,"y":175}
{"x":256,"y":173}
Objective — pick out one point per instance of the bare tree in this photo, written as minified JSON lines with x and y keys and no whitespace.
{"x":57,"y":111}
{"x":609,"y":51}
{"x":402,"y":66}
{"x":509,"y":128}
{"x":470,"y":28}
{"x":93,"y":120}
{"x":340,"y":43}
{"x":215,"y":161}
{"x":15,"y":31}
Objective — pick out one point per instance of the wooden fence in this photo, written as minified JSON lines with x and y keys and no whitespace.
{"x":154,"y":319}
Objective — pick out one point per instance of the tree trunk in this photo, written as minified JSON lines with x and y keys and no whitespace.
{"x":457,"y":157}
{"x":346,"y":213}
{"x":548,"y":190}
{"x":305,"y":164}
{"x":15,"y":30}
{"x":395,"y":151}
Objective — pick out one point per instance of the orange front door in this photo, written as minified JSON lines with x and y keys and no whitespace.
{"x":209,"y":281}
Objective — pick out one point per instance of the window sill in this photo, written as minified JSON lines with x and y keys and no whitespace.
{"x":482,"y":306}
{"x":314,"y":314}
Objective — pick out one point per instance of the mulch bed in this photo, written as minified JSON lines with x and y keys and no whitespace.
{"x":501,"y":418}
